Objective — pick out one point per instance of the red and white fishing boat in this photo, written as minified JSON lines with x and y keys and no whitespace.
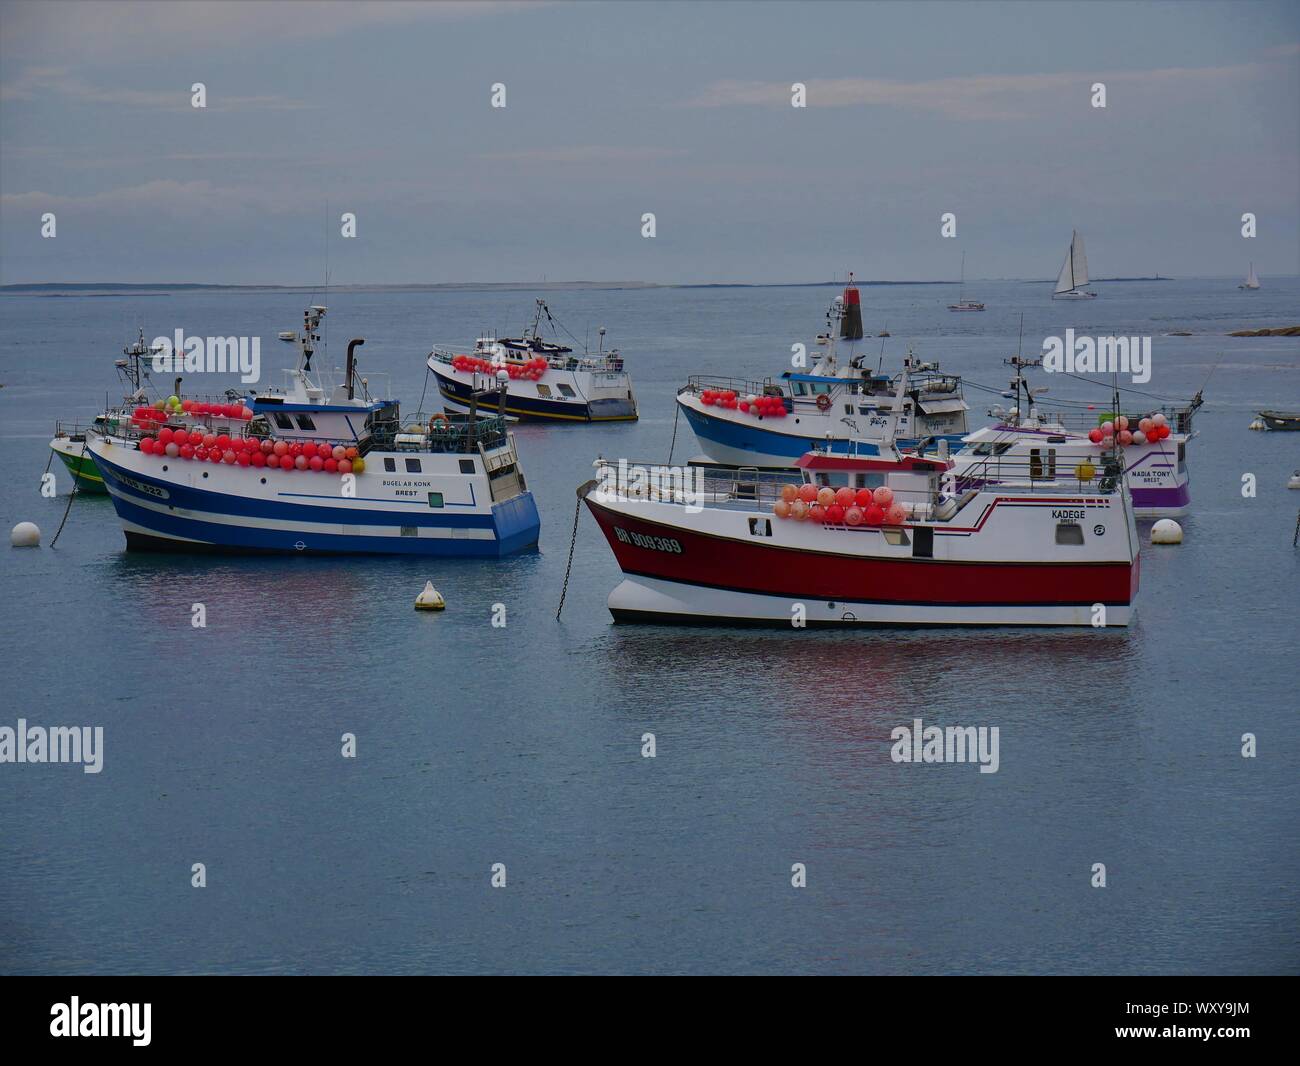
{"x":887,"y":539}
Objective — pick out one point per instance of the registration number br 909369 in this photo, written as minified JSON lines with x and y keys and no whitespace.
{"x":640,"y":540}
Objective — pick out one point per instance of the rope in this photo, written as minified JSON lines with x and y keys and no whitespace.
{"x":673,"y":446}
{"x":71,"y":496}
{"x":420,"y":409}
{"x":577,"y":514}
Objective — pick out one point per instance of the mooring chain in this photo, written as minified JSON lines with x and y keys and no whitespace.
{"x":577,"y":514}
{"x":673,"y":446}
{"x":71,"y":496}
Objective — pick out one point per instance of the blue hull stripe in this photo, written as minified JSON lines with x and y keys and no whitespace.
{"x":757,"y":439}
{"x":535,"y":407}
{"x":515,"y":535}
{"x":222,"y":503}
{"x":514,"y":523}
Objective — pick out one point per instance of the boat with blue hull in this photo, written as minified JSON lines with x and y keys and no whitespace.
{"x":839,"y":406}
{"x":322,"y":470}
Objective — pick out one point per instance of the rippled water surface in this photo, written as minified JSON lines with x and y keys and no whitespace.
{"x":522,"y":745}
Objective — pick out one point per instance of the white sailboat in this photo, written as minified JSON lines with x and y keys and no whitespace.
{"x":1073,"y":279}
{"x":1251,"y":282}
{"x":962,"y":303}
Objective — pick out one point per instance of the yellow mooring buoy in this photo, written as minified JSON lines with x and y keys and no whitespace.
{"x":430,"y":599}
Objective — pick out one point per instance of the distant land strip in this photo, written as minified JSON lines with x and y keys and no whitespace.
{"x":110,"y":287}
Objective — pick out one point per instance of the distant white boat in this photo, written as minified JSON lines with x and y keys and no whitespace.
{"x":1073,"y":279}
{"x":962,"y":303}
{"x":288,"y":335}
{"x":1251,"y":282}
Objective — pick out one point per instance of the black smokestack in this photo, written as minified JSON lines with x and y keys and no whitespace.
{"x":352,"y":362}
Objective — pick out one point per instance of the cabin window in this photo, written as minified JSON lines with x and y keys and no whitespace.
{"x":435,"y":499}
{"x":410,"y":531}
{"x":819,"y":387}
{"x":565,"y":391}
{"x":760,"y":527}
{"x":467,"y":466}
{"x":413,"y":466}
{"x":305,"y":423}
{"x":544,"y":391}
{"x":390,"y":465}
{"x":1036,"y":467}
{"x":800,"y":389}
{"x":848,"y":408}
{"x":835,"y":481}
{"x":1069,"y":533}
{"x":923,"y":544}
{"x":1182,"y":458}
{"x":283,"y":421}
{"x":989,"y":449}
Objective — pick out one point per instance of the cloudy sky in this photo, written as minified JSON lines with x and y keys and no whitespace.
{"x":618,"y":109}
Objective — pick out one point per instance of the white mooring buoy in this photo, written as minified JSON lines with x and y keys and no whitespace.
{"x":1166,"y":531}
{"x":430,"y":599}
{"x":26,"y":535}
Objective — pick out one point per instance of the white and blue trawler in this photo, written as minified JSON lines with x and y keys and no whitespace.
{"x":592,"y":387}
{"x":839,"y":405}
{"x":448,"y":486}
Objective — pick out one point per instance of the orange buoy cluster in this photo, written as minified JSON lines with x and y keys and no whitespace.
{"x":203,"y":447}
{"x":771,"y":406}
{"x":530,"y":370}
{"x":1120,"y":431}
{"x":843,"y":506}
{"x":144,"y":417}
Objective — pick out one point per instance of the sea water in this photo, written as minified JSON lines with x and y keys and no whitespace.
{"x":523,"y":745}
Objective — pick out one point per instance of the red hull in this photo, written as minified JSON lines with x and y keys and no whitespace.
{"x":751,"y":566}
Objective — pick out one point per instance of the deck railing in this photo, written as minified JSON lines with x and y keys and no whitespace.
{"x":456,"y":433}
{"x":706,"y":382}
{"x":1077,"y":421}
{"x":751,"y":488}
{"x":610,"y":363}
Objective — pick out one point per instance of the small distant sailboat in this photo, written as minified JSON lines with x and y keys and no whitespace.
{"x":1252,"y":281}
{"x":1073,"y":279}
{"x":962,"y":303}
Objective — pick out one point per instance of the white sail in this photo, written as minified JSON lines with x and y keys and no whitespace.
{"x":1079,"y":258}
{"x":1073,"y":279}
{"x":1252,"y":282}
{"x":1074,"y":271}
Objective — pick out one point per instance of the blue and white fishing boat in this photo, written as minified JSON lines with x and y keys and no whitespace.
{"x":838,"y":406}
{"x":546,"y":381}
{"x":316,"y":468}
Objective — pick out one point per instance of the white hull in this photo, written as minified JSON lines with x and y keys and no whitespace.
{"x":647,"y":599}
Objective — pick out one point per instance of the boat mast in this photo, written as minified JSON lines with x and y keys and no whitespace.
{"x":1017,"y":382}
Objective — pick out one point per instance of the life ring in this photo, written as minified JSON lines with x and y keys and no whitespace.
{"x":435,"y":419}
{"x":823,"y":402}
